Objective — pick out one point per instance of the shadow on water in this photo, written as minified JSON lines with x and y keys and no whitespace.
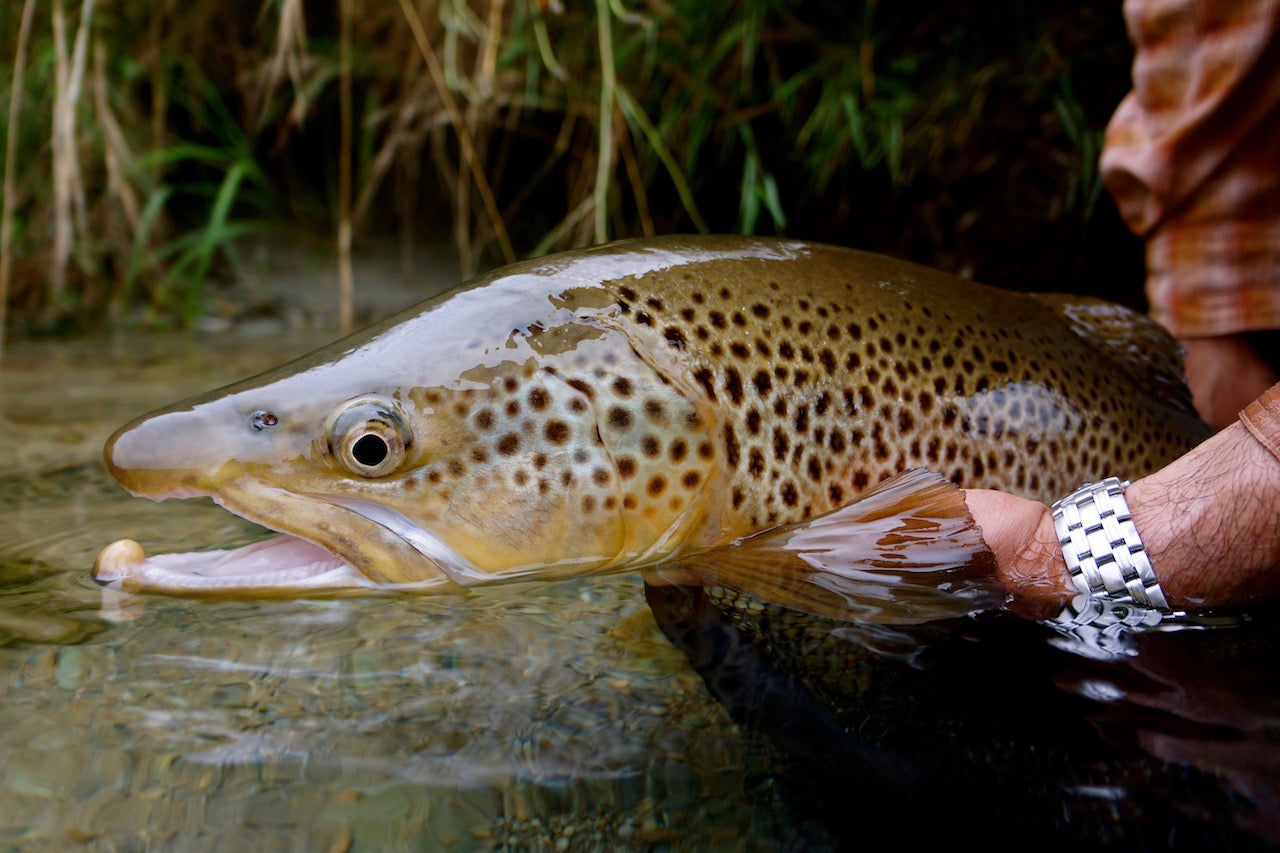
{"x":554,"y":716}
{"x":995,"y":728}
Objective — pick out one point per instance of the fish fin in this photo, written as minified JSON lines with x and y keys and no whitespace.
{"x":1139,"y":345}
{"x":907,"y":551}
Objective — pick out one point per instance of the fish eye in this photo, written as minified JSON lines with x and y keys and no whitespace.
{"x":368,"y":436}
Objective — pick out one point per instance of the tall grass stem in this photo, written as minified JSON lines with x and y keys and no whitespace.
{"x":10,"y":155}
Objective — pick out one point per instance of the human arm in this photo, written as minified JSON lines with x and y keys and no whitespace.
{"x":1210,"y":521}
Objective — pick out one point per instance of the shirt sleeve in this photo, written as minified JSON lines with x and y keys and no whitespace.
{"x":1262,"y":419}
{"x":1190,"y":158}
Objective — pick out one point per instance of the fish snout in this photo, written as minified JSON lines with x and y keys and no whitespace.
{"x":162,"y":455}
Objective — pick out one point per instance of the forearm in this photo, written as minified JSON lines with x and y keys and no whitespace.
{"x":1210,"y":522}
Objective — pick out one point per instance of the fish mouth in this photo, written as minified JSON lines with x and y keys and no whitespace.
{"x":395,"y":555}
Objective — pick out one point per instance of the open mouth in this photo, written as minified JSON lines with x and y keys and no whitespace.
{"x":283,"y":564}
{"x":288,"y":565}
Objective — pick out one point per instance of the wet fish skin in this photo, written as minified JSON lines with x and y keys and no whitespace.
{"x":632,"y":403}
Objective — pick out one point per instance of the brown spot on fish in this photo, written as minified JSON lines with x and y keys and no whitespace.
{"x":619,"y":418}
{"x":556,"y":432}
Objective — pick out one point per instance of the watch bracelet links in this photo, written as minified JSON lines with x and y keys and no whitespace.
{"x":1104,"y":554}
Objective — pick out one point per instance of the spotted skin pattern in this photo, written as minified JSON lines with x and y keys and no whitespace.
{"x":623,"y":405}
{"x":827,"y":385}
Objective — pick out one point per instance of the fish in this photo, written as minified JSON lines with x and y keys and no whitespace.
{"x":728,"y":407}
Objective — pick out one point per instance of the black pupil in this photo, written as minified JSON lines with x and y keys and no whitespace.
{"x":370,"y":450}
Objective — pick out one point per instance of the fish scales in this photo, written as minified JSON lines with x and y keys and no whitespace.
{"x":628,"y":404}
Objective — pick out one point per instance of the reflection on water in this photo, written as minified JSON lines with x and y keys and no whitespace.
{"x":518,"y":715}
{"x":554,"y":716}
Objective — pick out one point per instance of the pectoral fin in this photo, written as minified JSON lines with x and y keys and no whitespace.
{"x":908,"y":551}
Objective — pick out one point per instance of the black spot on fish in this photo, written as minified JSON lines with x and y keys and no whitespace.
{"x":732,"y":452}
{"x":675,"y":337}
{"x":733,"y":384}
{"x":781,"y":444}
{"x":679,"y":450}
{"x":836,"y":441}
{"x":556,"y":432}
{"x":790,"y":496}
{"x":761,"y":311}
{"x":649,"y":446}
{"x":657,"y":485}
{"x":508,"y":444}
{"x":706,"y":380}
{"x":619,"y":418}
{"x":643,"y":318}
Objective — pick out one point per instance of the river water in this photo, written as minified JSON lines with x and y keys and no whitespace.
{"x":553,"y":716}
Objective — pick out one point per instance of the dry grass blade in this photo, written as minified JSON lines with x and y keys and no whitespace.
{"x":469,"y":157}
{"x":346,"y":276}
{"x":68,"y":188}
{"x":608,"y":88}
{"x":11,"y":154}
{"x":291,"y":47}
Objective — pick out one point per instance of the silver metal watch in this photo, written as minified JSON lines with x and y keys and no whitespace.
{"x":1104,"y":554}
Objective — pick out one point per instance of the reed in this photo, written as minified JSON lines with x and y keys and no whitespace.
{"x":147,"y":138}
{"x":10,"y":158}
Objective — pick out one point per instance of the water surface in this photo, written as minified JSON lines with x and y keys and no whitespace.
{"x":520,"y":715}
{"x":554,"y":716}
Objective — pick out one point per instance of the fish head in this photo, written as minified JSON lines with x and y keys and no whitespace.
{"x":441,"y":449}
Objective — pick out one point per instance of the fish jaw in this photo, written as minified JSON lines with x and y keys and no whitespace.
{"x":394,"y":553}
{"x":281,"y":565}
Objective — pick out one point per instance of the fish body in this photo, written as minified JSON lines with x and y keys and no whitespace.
{"x":640,"y":402}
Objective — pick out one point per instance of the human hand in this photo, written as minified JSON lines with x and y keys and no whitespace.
{"x":1029,"y":562}
{"x":1210,"y":522}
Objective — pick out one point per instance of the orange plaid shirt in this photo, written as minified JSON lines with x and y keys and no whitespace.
{"x":1192,"y":158}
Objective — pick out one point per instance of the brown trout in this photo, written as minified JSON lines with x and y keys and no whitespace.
{"x":651,"y":402}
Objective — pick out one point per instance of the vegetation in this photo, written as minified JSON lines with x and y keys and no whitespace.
{"x":146,"y":136}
